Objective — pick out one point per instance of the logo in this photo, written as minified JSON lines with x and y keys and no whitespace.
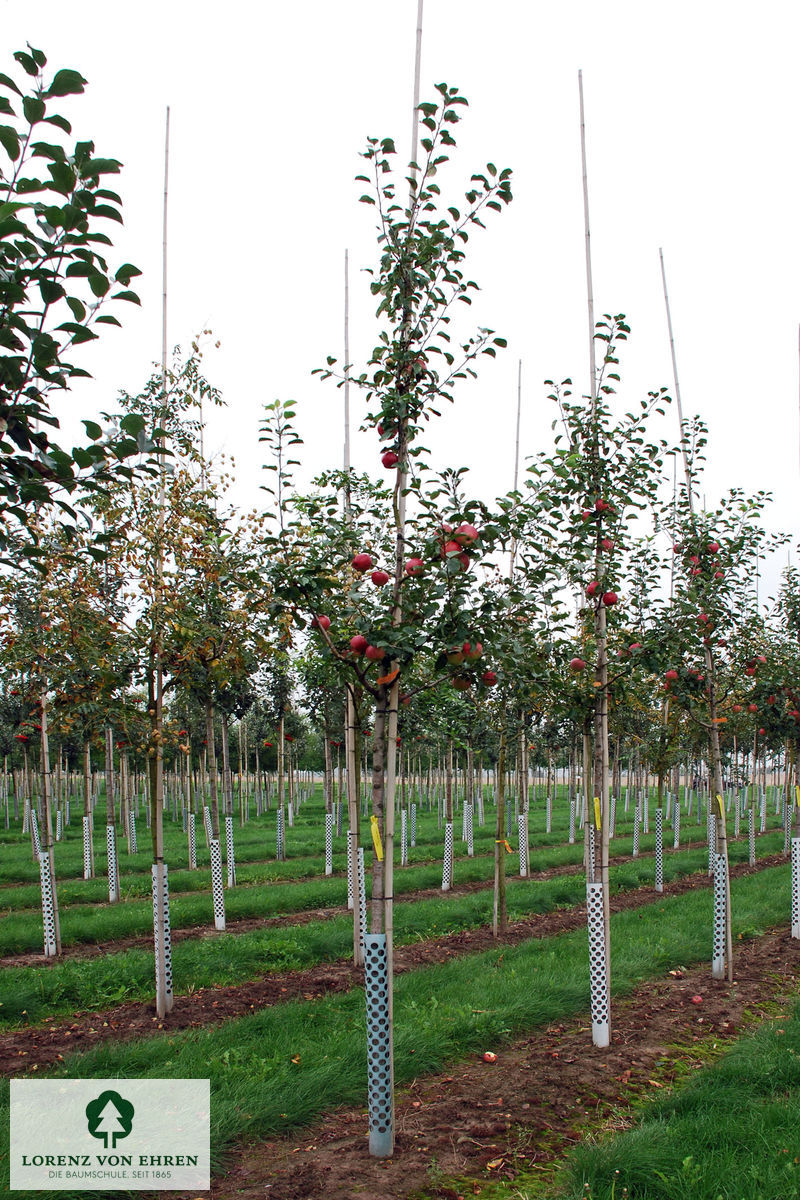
{"x":109,"y":1117}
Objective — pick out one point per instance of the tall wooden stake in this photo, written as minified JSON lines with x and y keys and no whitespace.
{"x":598,"y":812}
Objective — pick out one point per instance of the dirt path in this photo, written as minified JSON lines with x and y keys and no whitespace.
{"x":22,"y":1051}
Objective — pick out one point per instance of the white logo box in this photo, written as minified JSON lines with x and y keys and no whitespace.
{"x":110,"y":1134}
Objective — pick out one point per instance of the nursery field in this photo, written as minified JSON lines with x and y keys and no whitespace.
{"x":455,"y":840}
{"x":272,"y":1009}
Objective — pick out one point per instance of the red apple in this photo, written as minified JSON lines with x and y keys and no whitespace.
{"x":374,"y":653}
{"x":713,"y":547}
{"x":749,"y":670}
{"x":415,"y":566}
{"x":591,"y":588}
{"x":451,"y":547}
{"x":694,"y":559}
{"x":362,"y":562}
{"x":607,"y":544}
{"x":737,"y":708}
{"x":577,"y":664}
{"x":489,"y":678}
{"x":671,"y":675}
{"x":600,"y":505}
{"x":321,"y":622}
{"x":379,"y":578}
{"x":752,"y":708}
{"x":466,"y":534}
{"x":702,"y":618}
{"x":697,"y":999}
{"x":489,"y":1057}
{"x":390,"y":459}
{"x":610,"y":599}
{"x":358,"y":644}
{"x":455,"y":656}
{"x":586,"y":514}
{"x":719,"y":574}
{"x":761,"y":732}
{"x":464,"y":560}
{"x":473,"y":652}
{"x":634,"y":646}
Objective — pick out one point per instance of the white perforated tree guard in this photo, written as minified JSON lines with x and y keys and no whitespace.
{"x":66,"y":811}
{"x":349,"y":868}
{"x":380,"y":1081}
{"x":549,"y":813}
{"x":413,"y":825}
{"x":217,"y":894}
{"x":572,"y":822}
{"x":113,"y":876}
{"x":720,"y":905}
{"x":362,"y":897}
{"x":190,"y":831}
{"x":711,"y":835}
{"x":230,"y":854}
{"x":290,"y":813}
{"x":736,"y":825}
{"x":339,"y":817}
{"x":37,"y":844}
{"x":469,"y":811}
{"x":329,"y":820}
{"x":659,"y":850}
{"x":612,"y":818}
{"x":522,"y":835}
{"x":403,"y":838}
{"x":762,"y":815}
{"x":676,"y":826}
{"x":796,"y":887}
{"x":645,"y":804}
{"x":636,"y":812}
{"x":447,"y":863}
{"x":280,"y":844}
{"x":132,"y":831}
{"x":87,"y":848}
{"x":48,"y":908}
{"x":207,"y":825}
{"x":161,"y":884}
{"x":787,"y":827}
{"x":59,"y":825}
{"x":598,"y":965}
{"x":26,"y":816}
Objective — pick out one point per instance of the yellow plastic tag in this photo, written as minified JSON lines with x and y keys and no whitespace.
{"x":503,"y":842}
{"x":797,"y":793}
{"x":597,"y":817}
{"x":376,"y":838}
{"x":721,"y":807}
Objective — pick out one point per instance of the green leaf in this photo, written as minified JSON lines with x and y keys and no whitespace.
{"x":131,"y":296}
{"x":78,"y":308}
{"x":59,"y":122}
{"x":93,"y":430}
{"x":5,"y":106}
{"x":27,"y":63}
{"x":99,"y":284}
{"x":107,"y":319}
{"x":10,"y":141}
{"x":33,"y":108}
{"x":126,"y":273}
{"x":132,"y":423}
{"x":66,"y":83}
{"x":6,"y":81}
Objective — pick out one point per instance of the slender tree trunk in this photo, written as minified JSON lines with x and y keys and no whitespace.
{"x":499,"y":911}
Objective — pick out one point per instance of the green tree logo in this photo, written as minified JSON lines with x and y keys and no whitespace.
{"x":109,"y":1117}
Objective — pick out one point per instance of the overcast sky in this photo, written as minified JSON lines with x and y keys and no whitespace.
{"x":692,"y":119}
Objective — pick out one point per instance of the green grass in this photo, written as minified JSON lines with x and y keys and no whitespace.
{"x":441,"y":1016}
{"x":730,"y":1133}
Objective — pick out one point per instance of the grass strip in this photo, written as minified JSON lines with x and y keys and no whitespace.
{"x":730,"y":1133}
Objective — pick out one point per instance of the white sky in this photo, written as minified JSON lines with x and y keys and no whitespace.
{"x":692,"y":127}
